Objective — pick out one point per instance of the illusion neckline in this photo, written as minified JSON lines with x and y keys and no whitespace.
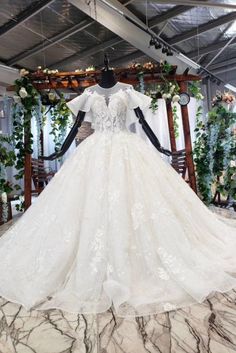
{"x":107,"y":99}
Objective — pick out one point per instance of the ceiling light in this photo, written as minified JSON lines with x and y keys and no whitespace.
{"x":158,"y":45}
{"x":169,"y":52}
{"x":164,"y":50}
{"x":152,"y":42}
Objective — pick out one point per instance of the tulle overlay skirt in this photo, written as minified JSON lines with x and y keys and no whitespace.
{"x":116,"y":225}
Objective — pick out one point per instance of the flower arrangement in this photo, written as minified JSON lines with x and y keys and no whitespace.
{"x":226,"y":97}
{"x":169,"y":91}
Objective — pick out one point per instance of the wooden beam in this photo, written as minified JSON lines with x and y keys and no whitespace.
{"x":187,"y":139}
{"x":171,"y":126}
{"x":66,"y":80}
{"x":27,"y":167}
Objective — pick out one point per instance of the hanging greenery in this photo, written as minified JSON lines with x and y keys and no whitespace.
{"x":60,"y":121}
{"x":28,"y":103}
{"x":215,"y":154}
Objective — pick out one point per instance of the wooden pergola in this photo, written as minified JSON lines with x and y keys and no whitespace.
{"x":78,"y":81}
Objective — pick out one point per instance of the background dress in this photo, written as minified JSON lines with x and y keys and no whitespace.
{"x":116,"y":225}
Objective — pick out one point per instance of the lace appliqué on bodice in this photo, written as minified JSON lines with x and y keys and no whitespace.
{"x":109,"y":116}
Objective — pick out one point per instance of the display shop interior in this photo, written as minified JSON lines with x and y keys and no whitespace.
{"x":118,"y":176}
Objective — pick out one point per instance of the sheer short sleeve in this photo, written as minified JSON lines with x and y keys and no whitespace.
{"x":81,"y":103}
{"x":136,"y":99}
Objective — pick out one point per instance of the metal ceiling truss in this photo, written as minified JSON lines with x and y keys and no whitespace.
{"x":177,"y":10}
{"x":25,"y":15}
{"x":113,"y":15}
{"x":51,"y":41}
{"x":88,"y":52}
{"x":209,"y":49}
{"x":203,"y":28}
{"x":226,"y":65}
{"x":199,"y":3}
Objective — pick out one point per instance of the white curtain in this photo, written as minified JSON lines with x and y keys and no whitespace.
{"x":158,"y":121}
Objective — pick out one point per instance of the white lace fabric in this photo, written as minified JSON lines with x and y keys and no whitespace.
{"x":116,"y":225}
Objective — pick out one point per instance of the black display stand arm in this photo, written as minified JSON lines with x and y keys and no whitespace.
{"x":69,"y":139}
{"x":150,"y":134}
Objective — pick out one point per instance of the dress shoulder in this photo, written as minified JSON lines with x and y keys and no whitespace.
{"x":137,"y":99}
{"x":80,"y":103}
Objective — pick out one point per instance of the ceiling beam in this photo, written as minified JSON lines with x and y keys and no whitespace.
{"x":209,"y":49}
{"x":50,"y":41}
{"x":203,"y":28}
{"x":26,"y":14}
{"x":177,"y":10}
{"x":87,"y":52}
{"x":222,"y":70}
{"x":115,"y":16}
{"x":199,"y":3}
{"x":8,"y":75}
{"x":168,"y":15}
{"x":223,"y":64}
{"x":127,"y":58}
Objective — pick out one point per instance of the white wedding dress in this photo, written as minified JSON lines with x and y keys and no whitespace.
{"x":116,"y":225}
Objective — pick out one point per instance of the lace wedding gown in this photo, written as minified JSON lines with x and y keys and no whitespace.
{"x":116,"y":225}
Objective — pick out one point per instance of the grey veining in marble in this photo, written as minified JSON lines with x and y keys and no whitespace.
{"x":204,"y":328}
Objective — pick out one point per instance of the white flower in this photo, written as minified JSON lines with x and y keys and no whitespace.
{"x":23,"y":93}
{"x":16,"y":99}
{"x":51,"y":96}
{"x":4,"y":197}
{"x":24,"y":72}
{"x":232,"y":163}
{"x":164,"y":96}
{"x":168,"y":95}
{"x":176,"y":98}
{"x":201,"y":96}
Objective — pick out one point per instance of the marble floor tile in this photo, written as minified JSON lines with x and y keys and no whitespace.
{"x":51,"y":331}
{"x":203,"y":328}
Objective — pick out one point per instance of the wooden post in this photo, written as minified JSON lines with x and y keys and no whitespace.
{"x":171,"y":126}
{"x":187,"y":139}
{"x":27,"y":167}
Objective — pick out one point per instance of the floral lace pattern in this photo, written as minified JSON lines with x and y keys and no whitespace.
{"x":116,"y":225}
{"x":109,"y":117}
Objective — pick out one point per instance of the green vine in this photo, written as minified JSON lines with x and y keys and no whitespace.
{"x":60,"y":117}
{"x":13,"y":149}
{"x":175,"y":118}
{"x":214,"y":153}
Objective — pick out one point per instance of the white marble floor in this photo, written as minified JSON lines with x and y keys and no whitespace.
{"x":206,"y":328}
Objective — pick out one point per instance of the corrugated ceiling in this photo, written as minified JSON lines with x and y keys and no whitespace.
{"x":60,"y":16}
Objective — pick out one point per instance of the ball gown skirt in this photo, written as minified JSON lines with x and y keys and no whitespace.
{"x":116,"y":225}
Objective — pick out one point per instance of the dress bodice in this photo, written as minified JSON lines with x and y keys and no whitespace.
{"x":110,"y":112}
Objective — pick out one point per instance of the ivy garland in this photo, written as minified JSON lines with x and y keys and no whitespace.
{"x":215,"y":153}
{"x":60,"y":117}
{"x":28,"y":103}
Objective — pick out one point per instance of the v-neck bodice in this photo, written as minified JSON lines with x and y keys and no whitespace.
{"x":109,"y":111}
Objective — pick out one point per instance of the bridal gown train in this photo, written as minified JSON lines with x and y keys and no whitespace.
{"x":116,"y":225}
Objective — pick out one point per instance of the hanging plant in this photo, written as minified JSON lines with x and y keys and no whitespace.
{"x":195,"y":90}
{"x":26,"y":102}
{"x":61,"y":119}
{"x":214,"y":153}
